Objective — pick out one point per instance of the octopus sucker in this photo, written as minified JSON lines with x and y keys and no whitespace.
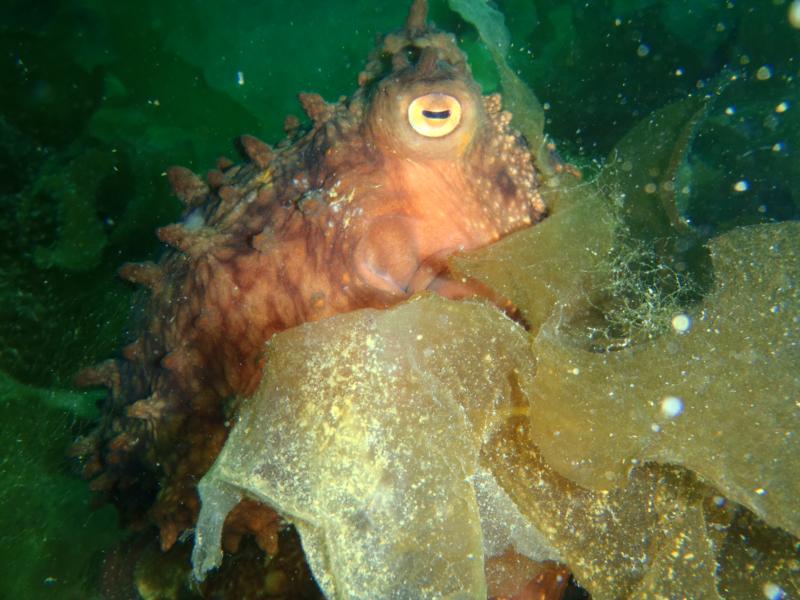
{"x":359,"y":209}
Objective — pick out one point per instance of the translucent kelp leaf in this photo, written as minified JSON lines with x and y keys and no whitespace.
{"x":366,"y":433}
{"x":645,"y":539}
{"x":641,"y":169}
{"x":684,"y":565}
{"x":757,"y":561}
{"x":552,"y":264}
{"x":718,"y":395}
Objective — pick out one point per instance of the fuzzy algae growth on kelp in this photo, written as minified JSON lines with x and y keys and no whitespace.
{"x":412,"y":446}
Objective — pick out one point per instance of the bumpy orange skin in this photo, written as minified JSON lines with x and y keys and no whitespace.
{"x":358,"y":211}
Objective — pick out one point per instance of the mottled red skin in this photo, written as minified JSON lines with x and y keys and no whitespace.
{"x":357,"y":211}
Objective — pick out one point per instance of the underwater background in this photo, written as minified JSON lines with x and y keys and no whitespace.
{"x":98,"y":98}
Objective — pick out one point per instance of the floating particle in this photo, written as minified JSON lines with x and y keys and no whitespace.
{"x":764,"y":73}
{"x":741,"y":186}
{"x":794,"y":14}
{"x":650,"y":188}
{"x":678,"y":72}
{"x":240,"y":77}
{"x":643,"y":50}
{"x":681,"y":323}
{"x":671,"y":407}
{"x":760,"y":491}
{"x":730,"y":110}
{"x":773,"y":591}
{"x":771,"y":122}
{"x":782,"y":107}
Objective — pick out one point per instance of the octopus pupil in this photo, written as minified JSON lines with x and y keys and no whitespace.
{"x":436,"y":114}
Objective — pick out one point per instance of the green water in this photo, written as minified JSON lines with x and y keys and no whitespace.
{"x":99,"y":98}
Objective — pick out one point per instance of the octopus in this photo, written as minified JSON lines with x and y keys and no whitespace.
{"x":359,"y":208}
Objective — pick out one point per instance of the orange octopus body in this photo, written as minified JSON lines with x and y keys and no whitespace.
{"x":361,"y":210}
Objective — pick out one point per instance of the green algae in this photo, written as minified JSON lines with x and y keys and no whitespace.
{"x":50,"y":542}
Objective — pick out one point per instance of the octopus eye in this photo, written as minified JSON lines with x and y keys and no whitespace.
{"x":434,"y":115}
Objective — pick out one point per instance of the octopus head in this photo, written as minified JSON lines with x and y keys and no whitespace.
{"x":428,"y":110}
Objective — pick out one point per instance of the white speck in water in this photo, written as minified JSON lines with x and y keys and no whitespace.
{"x":730,"y":110}
{"x":655,"y":427}
{"x":643,"y":50}
{"x":681,"y":323}
{"x":760,"y":491}
{"x":777,"y":147}
{"x":678,"y":72}
{"x":741,"y":186}
{"x":772,"y":591}
{"x":794,"y":14}
{"x":240,"y":77}
{"x":650,"y":188}
{"x":764,"y":73}
{"x":719,"y":501}
{"x":782,"y":107}
{"x":671,"y":407}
